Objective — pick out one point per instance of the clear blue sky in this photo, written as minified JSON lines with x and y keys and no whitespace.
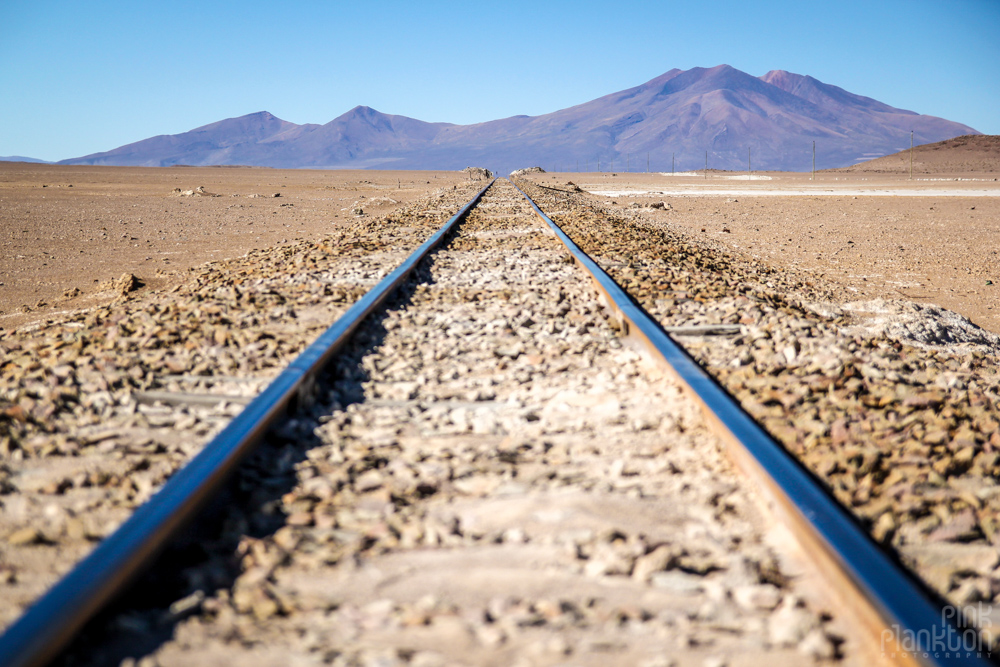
{"x":82,"y":77}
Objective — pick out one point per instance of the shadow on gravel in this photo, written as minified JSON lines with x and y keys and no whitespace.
{"x":205,"y":558}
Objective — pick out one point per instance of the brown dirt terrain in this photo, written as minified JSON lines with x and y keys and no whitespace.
{"x":848,"y":225}
{"x":930,"y":240}
{"x":68,"y":232}
{"x":969,"y":154}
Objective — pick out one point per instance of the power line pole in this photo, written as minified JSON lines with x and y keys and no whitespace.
{"x":749,"y":170}
{"x":671,"y":164}
{"x":814,"y":162}
{"x":706,"y":165}
{"x":911,"y":155}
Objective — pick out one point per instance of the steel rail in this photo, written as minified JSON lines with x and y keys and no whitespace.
{"x":51,"y":622}
{"x":896,"y":611}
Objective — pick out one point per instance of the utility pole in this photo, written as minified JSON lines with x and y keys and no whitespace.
{"x":706,"y":165}
{"x":671,"y":164}
{"x":749,"y":170}
{"x":628,"y":162}
{"x":814,"y":162}
{"x":911,"y":155}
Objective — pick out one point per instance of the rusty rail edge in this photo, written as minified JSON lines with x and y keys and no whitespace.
{"x":52,"y":621}
{"x":911,"y":626}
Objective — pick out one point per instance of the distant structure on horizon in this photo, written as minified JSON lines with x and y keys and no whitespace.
{"x":679,"y":120}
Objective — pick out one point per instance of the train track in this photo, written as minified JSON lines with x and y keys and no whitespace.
{"x":538,"y":409}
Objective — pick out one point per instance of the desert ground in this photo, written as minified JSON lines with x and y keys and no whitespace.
{"x":934,"y":239}
{"x":858,"y":235}
{"x":68,"y":232}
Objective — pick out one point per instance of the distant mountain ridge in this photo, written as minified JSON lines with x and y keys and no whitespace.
{"x":21,"y":158}
{"x":673,"y":119}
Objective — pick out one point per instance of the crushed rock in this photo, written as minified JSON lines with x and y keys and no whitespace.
{"x":199,"y":191}
{"x":922,"y":325}
{"x":478,"y":173}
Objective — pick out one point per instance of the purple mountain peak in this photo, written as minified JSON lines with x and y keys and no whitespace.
{"x":676,"y":117}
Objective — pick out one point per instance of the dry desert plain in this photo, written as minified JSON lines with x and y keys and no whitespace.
{"x":68,"y":232}
{"x":934,"y":239}
{"x":64,"y":246}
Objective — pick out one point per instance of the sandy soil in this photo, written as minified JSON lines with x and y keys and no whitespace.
{"x":933,"y":239}
{"x":67,"y":232}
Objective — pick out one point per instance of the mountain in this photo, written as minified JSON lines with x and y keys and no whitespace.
{"x":673,"y":119}
{"x":21,"y":158}
{"x":249,"y":139}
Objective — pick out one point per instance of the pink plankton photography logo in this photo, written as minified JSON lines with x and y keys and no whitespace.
{"x":963,"y":632}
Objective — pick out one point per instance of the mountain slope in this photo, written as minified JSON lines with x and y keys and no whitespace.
{"x":360,"y":135}
{"x":679,"y":117}
{"x":971,"y":154}
{"x":222,"y":142}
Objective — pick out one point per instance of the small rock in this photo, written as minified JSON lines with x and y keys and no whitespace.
{"x":369,"y":481}
{"x":127,"y":283}
{"x":491,"y":635}
{"x":790,"y":623}
{"x":938,"y":561}
{"x":817,"y":645}
{"x":187,"y":605}
{"x":677,"y":582}
{"x":24,"y":536}
{"x":510,"y":352}
{"x":514,"y":536}
{"x":761,"y":596}
{"x":961,"y":527}
{"x":427,"y":659}
{"x":656,"y":561}
{"x":658,"y":661}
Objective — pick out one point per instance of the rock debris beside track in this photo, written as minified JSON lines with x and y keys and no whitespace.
{"x":98,"y":410}
{"x":906,"y":434}
{"x":493,"y":479}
